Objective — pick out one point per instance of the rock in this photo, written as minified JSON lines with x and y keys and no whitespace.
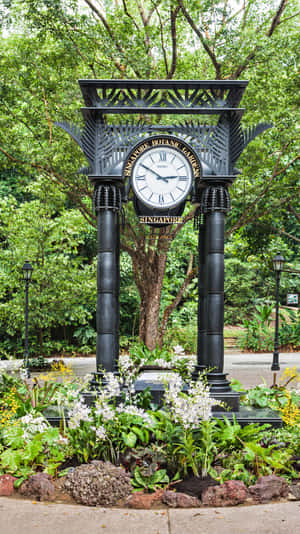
{"x":99,"y":483}
{"x":268,"y":488}
{"x":230,"y":493}
{"x":39,"y":486}
{"x":294,"y":490}
{"x":143,"y":501}
{"x":6,"y":485}
{"x":196,"y":485}
{"x":179,"y":500}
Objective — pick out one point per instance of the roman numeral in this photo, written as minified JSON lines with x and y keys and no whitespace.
{"x":182,"y":178}
{"x":161,"y":199}
{"x":142,"y":177}
{"x":163,"y":156}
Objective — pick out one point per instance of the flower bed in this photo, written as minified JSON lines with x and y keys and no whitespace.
{"x":162,"y":450}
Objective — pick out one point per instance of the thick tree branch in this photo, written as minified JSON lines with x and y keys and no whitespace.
{"x":276,"y":18}
{"x":174,"y":13}
{"x":110,"y":32}
{"x":187,"y":218}
{"x":293,"y":211}
{"x":209,"y":51}
{"x":146,"y":18}
{"x":275,"y":22}
{"x":163,"y":43}
{"x":77,"y":48}
{"x":290,"y":236}
{"x":130,"y":16}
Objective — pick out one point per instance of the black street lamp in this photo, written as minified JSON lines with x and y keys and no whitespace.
{"x":27,"y":272}
{"x":278,"y":263}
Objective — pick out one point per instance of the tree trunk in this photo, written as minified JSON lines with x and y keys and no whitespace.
{"x":148,"y":271}
{"x":149,"y":316}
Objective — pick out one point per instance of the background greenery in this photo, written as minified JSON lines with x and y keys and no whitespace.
{"x":45,"y":207}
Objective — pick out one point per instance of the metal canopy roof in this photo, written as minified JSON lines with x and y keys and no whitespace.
{"x":162,"y":96}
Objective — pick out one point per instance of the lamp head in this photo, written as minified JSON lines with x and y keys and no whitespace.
{"x":278,"y":262}
{"x":27,"y":271}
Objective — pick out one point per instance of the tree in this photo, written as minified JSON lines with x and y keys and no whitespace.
{"x":71,"y":39}
{"x":62,"y":292}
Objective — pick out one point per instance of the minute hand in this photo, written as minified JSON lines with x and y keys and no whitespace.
{"x":159,"y":177}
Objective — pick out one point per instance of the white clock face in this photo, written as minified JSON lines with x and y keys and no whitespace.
{"x":162,"y":177}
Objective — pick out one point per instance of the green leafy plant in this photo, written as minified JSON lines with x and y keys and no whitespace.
{"x":38,"y":363}
{"x":26,"y":452}
{"x":35,"y":396}
{"x":289,"y":331}
{"x":150,"y":481}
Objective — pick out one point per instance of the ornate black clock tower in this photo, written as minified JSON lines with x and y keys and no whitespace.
{"x":165,"y":166}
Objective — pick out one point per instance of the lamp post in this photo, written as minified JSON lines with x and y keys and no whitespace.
{"x":27,"y":272}
{"x":278,"y":263}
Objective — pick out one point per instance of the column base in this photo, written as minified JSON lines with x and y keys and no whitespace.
{"x":218,"y":382}
{"x":99,"y":380}
{"x":220,"y":389}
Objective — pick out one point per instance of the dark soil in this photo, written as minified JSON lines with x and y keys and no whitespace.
{"x":194,"y":486}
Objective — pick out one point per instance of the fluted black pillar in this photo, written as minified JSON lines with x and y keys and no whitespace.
{"x":215,"y":203}
{"x":201,"y":319}
{"x":214,"y":282}
{"x":107,"y":204}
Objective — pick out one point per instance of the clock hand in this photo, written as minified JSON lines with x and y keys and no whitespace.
{"x":159,"y":177}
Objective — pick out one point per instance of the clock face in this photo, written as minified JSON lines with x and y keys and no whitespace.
{"x":161,"y":170}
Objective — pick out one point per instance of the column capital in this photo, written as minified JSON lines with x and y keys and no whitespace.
{"x":215,"y":198}
{"x":107,"y":197}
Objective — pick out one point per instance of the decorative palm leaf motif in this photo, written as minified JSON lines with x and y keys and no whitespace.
{"x":114,"y":142}
{"x":217,"y":154}
{"x":159,"y":98}
{"x":105,"y":146}
{"x":211,"y":142}
{"x":72,"y":129}
{"x":241,"y":137}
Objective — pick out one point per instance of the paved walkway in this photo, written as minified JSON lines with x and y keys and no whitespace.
{"x":250,"y":369}
{"x":26,"y":517}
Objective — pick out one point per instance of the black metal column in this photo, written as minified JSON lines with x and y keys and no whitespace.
{"x":214,"y":282}
{"x":107,"y":204}
{"x":215,"y":203}
{"x":275,"y":363}
{"x":202,"y":362}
